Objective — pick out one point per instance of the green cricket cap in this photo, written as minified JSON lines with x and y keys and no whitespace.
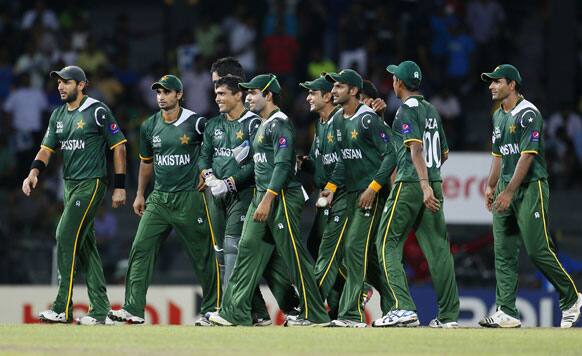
{"x":346,"y":76}
{"x":70,"y":72}
{"x":502,"y":71}
{"x":407,"y":71}
{"x":169,"y":82}
{"x":318,"y":84}
{"x":263,"y":82}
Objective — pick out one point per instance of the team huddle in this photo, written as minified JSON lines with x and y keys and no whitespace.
{"x":228,"y":187}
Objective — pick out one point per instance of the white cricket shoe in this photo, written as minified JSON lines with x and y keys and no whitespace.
{"x":50,"y":316}
{"x":203,"y":321}
{"x":300,"y":322}
{"x":344,"y":323}
{"x":571,"y":315}
{"x":500,"y":320}
{"x":125,"y":316}
{"x":262,"y":322}
{"x":435,"y":323}
{"x":399,"y":318}
{"x":216,"y":319}
{"x":89,"y":320}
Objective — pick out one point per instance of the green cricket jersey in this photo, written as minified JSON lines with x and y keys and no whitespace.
{"x":221,"y":136}
{"x":323,"y":156}
{"x":519,"y":131}
{"x":274,"y":154}
{"x":83,"y":135}
{"x":174,"y":149}
{"x":418,"y":120}
{"x":362,"y":142}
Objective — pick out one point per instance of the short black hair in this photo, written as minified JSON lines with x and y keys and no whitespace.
{"x":369,"y":89}
{"x":231,"y":83}
{"x":276,"y":97}
{"x":228,"y":66}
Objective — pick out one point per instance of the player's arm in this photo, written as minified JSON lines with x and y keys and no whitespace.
{"x":205,"y":160}
{"x":494,"y":173}
{"x":417,"y":156}
{"x":337,"y":178}
{"x":307,"y":163}
{"x":245,"y":176}
{"x":146,"y":167}
{"x":444,"y":143}
{"x":119,"y":168}
{"x":38,"y":165}
{"x":380,"y":134}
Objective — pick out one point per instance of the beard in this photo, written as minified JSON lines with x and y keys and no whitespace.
{"x":71,"y":97}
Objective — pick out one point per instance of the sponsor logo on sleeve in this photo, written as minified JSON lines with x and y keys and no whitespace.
{"x":384,"y":137}
{"x":283,"y":142}
{"x":113,"y":128}
{"x":405,"y":129}
{"x":535,"y":136}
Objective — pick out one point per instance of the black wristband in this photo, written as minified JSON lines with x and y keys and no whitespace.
{"x":119,"y":181}
{"x":38,"y":164}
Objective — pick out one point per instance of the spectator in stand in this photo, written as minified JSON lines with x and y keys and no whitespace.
{"x":242,"y":36}
{"x":571,"y":122}
{"x":33,"y":63}
{"x":280,"y":50}
{"x":485,"y":19}
{"x":40,"y":13}
{"x":6,"y":75}
{"x":198,"y":87}
{"x":25,"y":107}
{"x":449,"y":107}
{"x":352,"y":30}
{"x":460,"y":48}
{"x":92,"y":57}
{"x":207,"y":38}
{"x":318,"y":64}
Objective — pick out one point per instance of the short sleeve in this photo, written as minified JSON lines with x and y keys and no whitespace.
{"x":50,"y":140}
{"x":406,"y":124}
{"x":108,"y":126}
{"x":146,"y":152}
{"x":531,"y":132}
{"x":199,"y":127}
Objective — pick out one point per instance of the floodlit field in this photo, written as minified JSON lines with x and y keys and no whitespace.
{"x":72,"y":339}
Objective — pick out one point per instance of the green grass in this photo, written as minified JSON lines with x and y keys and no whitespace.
{"x":71,"y":339}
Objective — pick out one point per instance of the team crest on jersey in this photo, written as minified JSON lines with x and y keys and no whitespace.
{"x":113,"y":128}
{"x":283,"y":142}
{"x":405,"y":129}
{"x":156,"y":142}
{"x":535,"y":136}
{"x":60,"y":127}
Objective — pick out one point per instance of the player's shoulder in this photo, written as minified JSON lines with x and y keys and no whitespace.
{"x":526,"y":110}
{"x":215,"y":120}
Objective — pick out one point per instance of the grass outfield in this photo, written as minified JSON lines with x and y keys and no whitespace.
{"x":72,"y":339}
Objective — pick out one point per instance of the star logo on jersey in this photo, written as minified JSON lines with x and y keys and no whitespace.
{"x":240,"y":135}
{"x":330,"y":138}
{"x":354,"y":134}
{"x":512,"y":129}
{"x":184,"y":139}
{"x":80,"y":124}
{"x":260,"y":138}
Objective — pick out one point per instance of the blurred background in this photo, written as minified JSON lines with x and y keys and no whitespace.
{"x":124,"y":46}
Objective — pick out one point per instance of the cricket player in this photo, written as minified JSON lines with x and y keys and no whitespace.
{"x":169,"y":150}
{"x":415,"y":202}
{"x":362,"y":139}
{"x":328,"y":230}
{"x":517,"y":193}
{"x":83,"y":128}
{"x":272,"y":221}
{"x":227,"y":66}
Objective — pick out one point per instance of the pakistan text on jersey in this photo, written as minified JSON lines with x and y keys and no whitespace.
{"x":509,"y":149}
{"x":222,"y":152}
{"x":260,"y":158}
{"x":172,"y":160}
{"x":72,"y":145}
{"x":328,"y":158}
{"x":431,"y":123}
{"x":351,"y":153}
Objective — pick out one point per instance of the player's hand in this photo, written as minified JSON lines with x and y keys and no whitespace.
{"x":264,"y":208}
{"x":367,"y":199}
{"x":118,"y":198}
{"x":29,"y":184}
{"x":489,"y":192}
{"x":201,"y":183}
{"x":378,"y":105}
{"x":327,"y":194}
{"x":139,"y":204}
{"x":299,"y":159}
{"x":428,"y":198}
{"x":503,"y":201}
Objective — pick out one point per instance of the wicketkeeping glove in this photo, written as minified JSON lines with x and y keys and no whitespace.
{"x":219,"y":187}
{"x":241,"y":151}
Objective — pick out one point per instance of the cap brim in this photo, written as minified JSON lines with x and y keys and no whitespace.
{"x":392,"y":68}
{"x":58,"y":74}
{"x":308,"y":85}
{"x":487,"y":77}
{"x":332,"y":77}
{"x":158,"y":85}
{"x":247,"y":86}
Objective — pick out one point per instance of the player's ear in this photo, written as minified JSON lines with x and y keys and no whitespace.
{"x":179,"y":95}
{"x":327,"y":97}
{"x":239,"y":95}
